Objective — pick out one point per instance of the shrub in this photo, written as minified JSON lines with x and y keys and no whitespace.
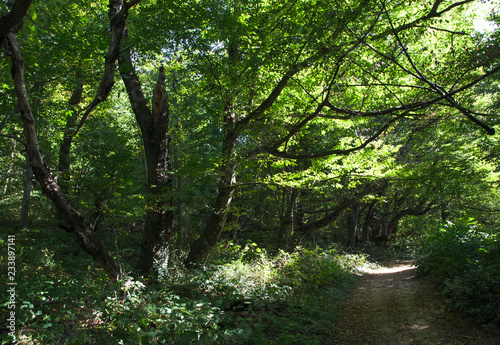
{"x":466,"y":265}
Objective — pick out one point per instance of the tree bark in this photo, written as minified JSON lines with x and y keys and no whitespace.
{"x":201,"y":248}
{"x":287,"y":220}
{"x":28,"y":178}
{"x":69,"y":133}
{"x":154,"y":125}
{"x":13,"y":20}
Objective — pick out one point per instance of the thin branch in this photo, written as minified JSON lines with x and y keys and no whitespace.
{"x":4,"y":121}
{"x":281,"y":185}
{"x":444,"y":30}
{"x":337,"y":152}
{"x":16,"y":138}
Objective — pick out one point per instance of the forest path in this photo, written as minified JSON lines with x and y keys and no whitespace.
{"x":392,"y":306}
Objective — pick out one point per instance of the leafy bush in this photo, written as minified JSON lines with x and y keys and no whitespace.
{"x":466,"y":264}
{"x":316,"y":269}
{"x":245,"y":296}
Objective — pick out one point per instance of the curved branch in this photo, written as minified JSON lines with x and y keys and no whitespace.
{"x":80,"y":230}
{"x":118,"y":13}
{"x":14,"y":17}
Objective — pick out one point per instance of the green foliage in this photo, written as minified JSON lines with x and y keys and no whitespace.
{"x":313,"y":270}
{"x":466,"y":264}
{"x":230,"y":59}
{"x":245,"y":297}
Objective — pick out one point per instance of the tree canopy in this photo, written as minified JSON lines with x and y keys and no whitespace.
{"x":269,"y":120}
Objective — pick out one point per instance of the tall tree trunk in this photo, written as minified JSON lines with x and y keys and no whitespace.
{"x":81,"y":232}
{"x":352,"y":226}
{"x":201,"y":248}
{"x":368,"y":221}
{"x":153,"y":123}
{"x":118,"y":12}
{"x":287,"y":220}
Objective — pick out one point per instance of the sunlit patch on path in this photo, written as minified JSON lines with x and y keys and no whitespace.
{"x":391,"y":305}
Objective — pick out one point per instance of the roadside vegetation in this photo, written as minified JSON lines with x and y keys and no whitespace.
{"x":464,"y":259}
{"x":244,"y":296}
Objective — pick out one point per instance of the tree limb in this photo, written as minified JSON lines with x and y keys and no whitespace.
{"x":14,"y":17}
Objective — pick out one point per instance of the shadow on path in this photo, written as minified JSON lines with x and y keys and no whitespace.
{"x":392,"y":306}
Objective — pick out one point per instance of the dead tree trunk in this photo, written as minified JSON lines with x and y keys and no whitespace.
{"x":154,"y":124}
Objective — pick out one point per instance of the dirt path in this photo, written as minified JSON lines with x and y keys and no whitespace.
{"x":391,"y":306}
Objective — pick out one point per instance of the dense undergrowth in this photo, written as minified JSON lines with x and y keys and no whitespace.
{"x":465,"y":261}
{"x":245,"y":296}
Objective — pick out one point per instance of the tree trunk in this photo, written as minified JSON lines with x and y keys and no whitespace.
{"x":28,"y":178}
{"x":159,"y":217}
{"x":201,"y":248}
{"x":69,"y":132}
{"x":82,"y":234}
{"x":9,"y":170}
{"x":368,"y":221}
{"x":287,"y":220}
{"x":118,"y":11}
{"x":352,"y":226}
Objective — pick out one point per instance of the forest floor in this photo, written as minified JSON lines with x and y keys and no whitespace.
{"x":391,"y":305}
